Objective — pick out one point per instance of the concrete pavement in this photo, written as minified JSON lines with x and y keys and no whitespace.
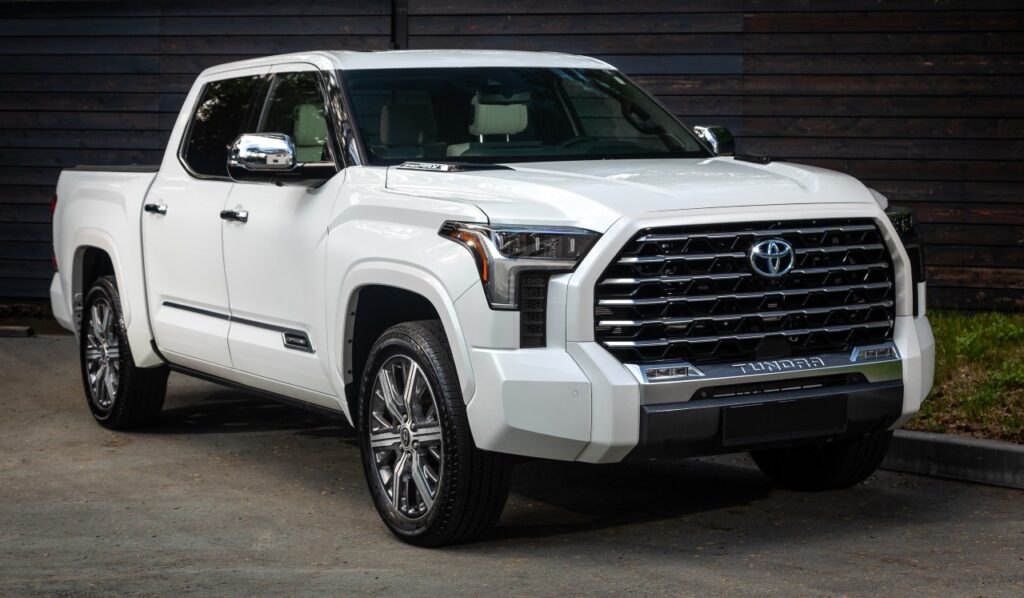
{"x":233,"y":495}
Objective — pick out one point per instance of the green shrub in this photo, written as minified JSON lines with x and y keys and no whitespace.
{"x":979,"y":376}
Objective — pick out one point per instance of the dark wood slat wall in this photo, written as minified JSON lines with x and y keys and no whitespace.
{"x":102,"y":82}
{"x":923,"y":100}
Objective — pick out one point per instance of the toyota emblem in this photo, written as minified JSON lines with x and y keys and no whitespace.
{"x":772,"y":258}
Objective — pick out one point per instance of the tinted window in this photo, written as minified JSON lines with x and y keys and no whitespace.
{"x":296,"y":108}
{"x":511,"y":114}
{"x":220,"y":114}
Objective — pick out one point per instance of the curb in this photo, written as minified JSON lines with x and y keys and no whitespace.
{"x":956,"y":457}
{"x":15,"y":331}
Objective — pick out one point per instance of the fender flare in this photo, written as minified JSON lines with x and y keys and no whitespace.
{"x":410,"y":278}
{"x":94,"y":238}
{"x":132,"y":291}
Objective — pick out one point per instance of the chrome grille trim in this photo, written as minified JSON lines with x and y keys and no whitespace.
{"x":785,"y":292}
{"x":689,"y":293}
{"x":711,"y":339}
{"x":757,"y":233}
{"x":723,"y":318}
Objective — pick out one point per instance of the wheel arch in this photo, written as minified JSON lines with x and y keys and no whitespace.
{"x":402,"y":293}
{"x":93,"y":254}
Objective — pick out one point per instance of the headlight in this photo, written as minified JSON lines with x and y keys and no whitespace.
{"x":503,"y":252}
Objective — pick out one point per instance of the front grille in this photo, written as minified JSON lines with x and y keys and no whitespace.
{"x":690,"y":294}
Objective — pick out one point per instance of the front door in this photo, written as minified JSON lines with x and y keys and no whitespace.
{"x":182,"y":229}
{"x":275,"y":259}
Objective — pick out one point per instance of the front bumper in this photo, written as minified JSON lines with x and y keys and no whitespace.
{"x":581,"y":404}
{"x":707,"y":427}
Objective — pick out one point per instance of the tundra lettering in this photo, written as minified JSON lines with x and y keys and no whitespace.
{"x":781,"y":365}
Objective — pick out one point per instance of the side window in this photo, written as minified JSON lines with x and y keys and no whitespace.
{"x":295,"y":107}
{"x":220,"y":114}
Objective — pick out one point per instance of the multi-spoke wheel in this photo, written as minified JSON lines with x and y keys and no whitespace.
{"x":120,"y":395}
{"x":102,"y":355}
{"x":405,"y":436}
{"x":429,"y":482}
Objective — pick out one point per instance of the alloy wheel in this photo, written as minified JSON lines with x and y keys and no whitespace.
{"x":405,"y":437}
{"x":102,"y":355}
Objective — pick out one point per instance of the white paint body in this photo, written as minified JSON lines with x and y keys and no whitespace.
{"x":300,"y":260}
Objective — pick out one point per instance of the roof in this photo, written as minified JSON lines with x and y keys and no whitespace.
{"x":395,"y":59}
{"x":462,"y":58}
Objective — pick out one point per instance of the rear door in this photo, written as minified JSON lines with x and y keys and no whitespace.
{"x":275,"y":260}
{"x":182,"y":228}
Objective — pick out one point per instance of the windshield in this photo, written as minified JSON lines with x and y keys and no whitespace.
{"x":507,"y":114}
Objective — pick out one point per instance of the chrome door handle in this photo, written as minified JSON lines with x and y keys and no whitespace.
{"x":235,"y":215}
{"x":154,"y":208}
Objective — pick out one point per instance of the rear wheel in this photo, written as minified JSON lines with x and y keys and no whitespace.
{"x":120,"y":395}
{"x":824,"y":466}
{"x":429,"y":482}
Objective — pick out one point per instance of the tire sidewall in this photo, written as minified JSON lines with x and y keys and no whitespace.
{"x":394,"y":343}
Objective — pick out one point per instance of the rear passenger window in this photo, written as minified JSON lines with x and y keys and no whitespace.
{"x":295,"y":107}
{"x":220,"y":114}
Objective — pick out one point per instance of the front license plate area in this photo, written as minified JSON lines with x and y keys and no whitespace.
{"x":773,"y":421}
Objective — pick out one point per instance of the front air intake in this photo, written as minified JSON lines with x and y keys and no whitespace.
{"x":692,"y":293}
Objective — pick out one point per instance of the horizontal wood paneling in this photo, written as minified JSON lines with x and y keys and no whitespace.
{"x":920,"y":99}
{"x":102,"y":82}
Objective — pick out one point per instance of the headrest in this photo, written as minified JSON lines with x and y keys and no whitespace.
{"x":310,"y":125}
{"x":497,"y":119}
{"x":406,"y":124}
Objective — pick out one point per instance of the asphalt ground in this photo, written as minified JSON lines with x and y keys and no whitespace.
{"x":234,"y":495}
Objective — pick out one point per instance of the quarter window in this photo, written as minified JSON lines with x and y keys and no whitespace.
{"x":223,"y":108}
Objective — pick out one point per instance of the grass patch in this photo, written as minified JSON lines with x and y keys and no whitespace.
{"x":979,"y":376}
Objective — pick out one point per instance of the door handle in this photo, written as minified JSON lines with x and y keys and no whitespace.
{"x":154,"y":208}
{"x":235,"y":215}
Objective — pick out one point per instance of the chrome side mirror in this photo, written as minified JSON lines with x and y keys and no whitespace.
{"x":719,"y":138}
{"x":271,"y":158}
{"x":263,"y":152}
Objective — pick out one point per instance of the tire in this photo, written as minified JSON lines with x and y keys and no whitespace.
{"x":120,"y":395}
{"x":447,"y":490}
{"x":825,"y":466}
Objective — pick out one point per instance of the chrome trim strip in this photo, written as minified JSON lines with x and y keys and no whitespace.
{"x":672,"y":279}
{"x":764,"y":314}
{"x":725,"y":374}
{"x":752,"y":295}
{"x":852,"y":268}
{"x":841,"y":248}
{"x":758,"y":233}
{"x":645,"y":259}
{"x":285,"y":332}
{"x":708,"y":339}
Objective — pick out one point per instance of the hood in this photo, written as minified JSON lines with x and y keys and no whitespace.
{"x":594,"y":194}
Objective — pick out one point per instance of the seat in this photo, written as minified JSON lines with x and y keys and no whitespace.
{"x":309,"y":133}
{"x":502,"y":119}
{"x":407,"y":131}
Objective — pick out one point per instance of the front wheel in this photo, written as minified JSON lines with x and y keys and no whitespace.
{"x":825,"y":466}
{"x":120,"y":395}
{"x":429,"y":482}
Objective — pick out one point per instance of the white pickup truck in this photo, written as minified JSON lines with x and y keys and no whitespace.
{"x":471,"y":255}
